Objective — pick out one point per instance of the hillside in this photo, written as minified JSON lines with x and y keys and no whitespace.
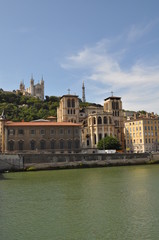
{"x":18,"y":107}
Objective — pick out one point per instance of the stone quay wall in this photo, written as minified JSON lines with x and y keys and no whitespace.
{"x":42,"y":161}
{"x":11,"y":162}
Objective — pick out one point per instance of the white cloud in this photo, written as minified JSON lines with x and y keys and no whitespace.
{"x":138,"y":86}
{"x":138,"y":31}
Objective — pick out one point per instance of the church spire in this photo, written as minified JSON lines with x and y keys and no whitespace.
{"x":83,"y":93}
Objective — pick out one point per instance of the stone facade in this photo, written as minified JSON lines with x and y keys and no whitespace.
{"x":68,"y":111}
{"x":40,"y":137}
{"x":97,"y":121}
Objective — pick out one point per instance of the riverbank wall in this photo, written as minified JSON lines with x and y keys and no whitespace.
{"x":44,"y":161}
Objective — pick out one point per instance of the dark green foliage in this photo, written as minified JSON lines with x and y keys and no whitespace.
{"x":18,"y":107}
{"x":109,"y":143}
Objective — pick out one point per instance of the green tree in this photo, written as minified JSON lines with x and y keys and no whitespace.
{"x":109,"y":142}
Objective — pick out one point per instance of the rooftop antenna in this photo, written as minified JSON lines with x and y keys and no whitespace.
{"x":112,"y":93}
{"x":83,"y":93}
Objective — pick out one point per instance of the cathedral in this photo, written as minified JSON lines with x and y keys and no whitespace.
{"x":35,"y":90}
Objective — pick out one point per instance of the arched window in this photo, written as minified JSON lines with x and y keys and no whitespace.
{"x":21,"y":145}
{"x":69,"y":144}
{"x":52,"y":144}
{"x":73,"y":103}
{"x":105,"y":120}
{"x":99,"y":120}
{"x":42,"y":144}
{"x":61,"y":144}
{"x":68,"y":103}
{"x":11,"y":145}
{"x":32,"y":145}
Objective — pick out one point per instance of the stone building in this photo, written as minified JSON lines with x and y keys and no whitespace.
{"x":35,"y":90}
{"x":97,"y":121}
{"x":39,"y":136}
{"x":68,"y":110}
{"x":142,"y":134}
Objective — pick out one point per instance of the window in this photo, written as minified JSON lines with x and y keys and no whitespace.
{"x":42,"y":131}
{"x":61,"y":144}
{"x":145,"y":127}
{"x":11,"y":132}
{"x":32,"y":145}
{"x":69,"y":131}
{"x":11,"y":145}
{"x":52,"y":144}
{"x":94,"y":120}
{"x":77,"y":143}
{"x":105,"y":120}
{"x":140,"y":140}
{"x":42,"y":144}
{"x":61,"y":131}
{"x":68,"y":103}
{"x":76,"y":131}
{"x":73,"y":103}
{"x":20,"y":131}
{"x":21,"y":145}
{"x":94,"y":138}
{"x":110,"y":120}
{"x":32,"y":132}
{"x":52,"y":132}
{"x":99,"y":120}
{"x":69,"y":144}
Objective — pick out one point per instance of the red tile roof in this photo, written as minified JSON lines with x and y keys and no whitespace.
{"x":44,"y":124}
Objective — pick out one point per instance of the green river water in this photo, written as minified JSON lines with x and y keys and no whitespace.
{"x":120,"y":203}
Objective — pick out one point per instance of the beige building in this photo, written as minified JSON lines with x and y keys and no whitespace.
{"x":68,"y":110}
{"x":98,"y":122}
{"x":35,"y":90}
{"x":43,"y":136}
{"x":142,"y":135}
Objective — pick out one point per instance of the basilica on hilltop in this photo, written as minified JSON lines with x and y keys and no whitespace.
{"x":35,"y":90}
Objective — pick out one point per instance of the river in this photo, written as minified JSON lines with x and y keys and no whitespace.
{"x":118,"y":203}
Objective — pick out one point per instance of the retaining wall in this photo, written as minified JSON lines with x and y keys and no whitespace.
{"x":57,"y":161}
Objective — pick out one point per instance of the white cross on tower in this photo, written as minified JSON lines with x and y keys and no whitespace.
{"x":68,"y":91}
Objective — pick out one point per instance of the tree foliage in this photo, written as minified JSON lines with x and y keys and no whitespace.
{"x":109,"y":142}
{"x":18,"y":107}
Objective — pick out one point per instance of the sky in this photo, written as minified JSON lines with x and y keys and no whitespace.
{"x":113,"y":46}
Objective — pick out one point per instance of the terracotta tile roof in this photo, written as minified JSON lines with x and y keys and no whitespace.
{"x":44,"y":124}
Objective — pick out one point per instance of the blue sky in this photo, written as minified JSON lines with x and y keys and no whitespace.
{"x":110,"y":45}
